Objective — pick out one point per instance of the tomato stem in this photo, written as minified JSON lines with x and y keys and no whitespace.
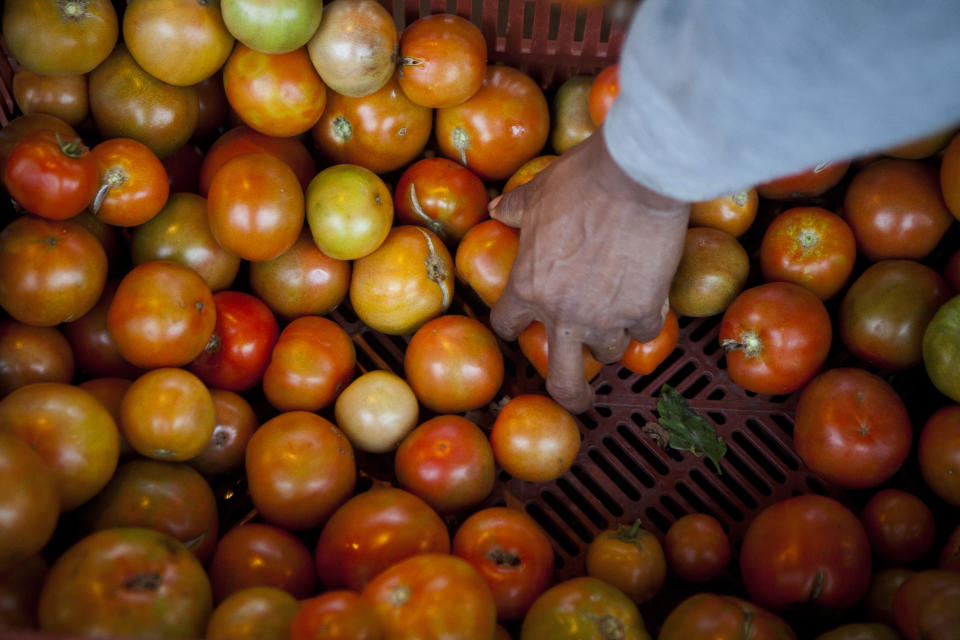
{"x":434,"y":225}
{"x":749,"y":343}
{"x":461,"y":142}
{"x":407,"y":61}
{"x":741,"y":198}
{"x":74,"y":148}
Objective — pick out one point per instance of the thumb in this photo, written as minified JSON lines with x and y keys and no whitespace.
{"x":508,"y":208}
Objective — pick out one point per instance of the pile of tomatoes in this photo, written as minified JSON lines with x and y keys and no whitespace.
{"x":201,"y":188}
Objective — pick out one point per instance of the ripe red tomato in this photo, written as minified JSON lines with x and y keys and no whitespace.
{"x":722,"y":617}
{"x":50,"y":176}
{"x":927,"y":605}
{"x":777,"y":336}
{"x":252,"y":614}
{"x":629,"y":558}
{"x":500,"y":127}
{"x":851,"y":428}
{"x":310,"y":364}
{"x":805,"y":184}
{"x":448,"y":462}
{"x":809,"y":246}
{"x":31,"y":509}
{"x":133,"y":184}
{"x":697,"y":548}
{"x":238,"y":351}
{"x":405,"y":598}
{"x":644,"y":357}
{"x":20,"y":126}
{"x":454,"y":364}
{"x":950,"y":175}
{"x":901,"y":527}
{"x":485,"y":257}
{"x":534,"y":346}
{"x":734,"y":213}
{"x":235,"y":424}
{"x":336,"y":615}
{"x":32,"y":354}
{"x":938,"y":452}
{"x":300,"y":468}
{"x":950,"y":554}
{"x":242,"y":139}
{"x":603,"y":92}
{"x":585,"y":607}
{"x":374,"y":530}
{"x":442,"y":60}
{"x":442,"y":196}
{"x":534,"y":438}
{"x":808,"y":548}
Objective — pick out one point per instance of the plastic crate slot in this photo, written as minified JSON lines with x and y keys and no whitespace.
{"x":760,"y":458}
{"x":699,"y":506}
{"x":371,"y":359}
{"x":771,"y":442}
{"x":704,"y":329}
{"x":628,"y":461}
{"x":504,"y":477}
{"x":698,"y":385}
{"x":563,"y":511}
{"x":604,"y":389}
{"x":718,"y":497}
{"x":591,"y":485}
{"x":672,"y":506}
{"x":784,"y":422}
{"x":623,"y":373}
{"x":588,"y":421}
{"x":604,"y":465}
{"x":746,"y":472}
{"x":816,"y":486}
{"x":682,"y":374}
{"x":605,"y":412}
{"x":717,"y":417}
{"x":365,"y":362}
{"x":640,"y":446}
{"x":658,"y":519}
{"x":582,"y":502}
{"x":553,"y":530}
{"x":780,"y":399}
{"x":718,"y":393}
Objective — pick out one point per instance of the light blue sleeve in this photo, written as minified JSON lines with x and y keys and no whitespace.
{"x":720,"y":95}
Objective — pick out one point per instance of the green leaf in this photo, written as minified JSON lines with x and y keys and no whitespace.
{"x":688,"y":430}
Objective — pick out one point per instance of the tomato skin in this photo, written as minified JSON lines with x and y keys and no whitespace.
{"x":941,"y":349}
{"x":927,"y":605}
{"x":808,"y":548}
{"x":805,"y":184}
{"x":372,"y":531}
{"x":253,"y":614}
{"x":527,"y":172}
{"x":878,"y":603}
{"x":777,"y":337}
{"x":19,"y":591}
{"x":31,"y":509}
{"x":938,"y":452}
{"x":272,"y":27}
{"x":235,"y":423}
{"x":511,"y":552}
{"x":950,"y":175}
{"x":570,"y":114}
{"x":950,"y":554}
{"x":851,"y":428}
{"x":239,"y":348}
{"x":336,"y":615}
{"x":61,"y":96}
{"x":734,"y":213}
{"x":485,"y":257}
{"x":644,"y":357}
{"x":242,"y":139}
{"x":697,"y":547}
{"x":20,"y":126}
{"x":583,"y":608}
{"x":901,"y":527}
{"x":860,"y":631}
{"x":32,"y":354}
{"x":443,"y":196}
{"x":377,"y":410}
{"x":603,"y":92}
{"x":629,"y":558}
{"x":534,"y":438}
{"x":534,"y":346}
{"x":51,"y":177}
{"x":722,"y":617}
{"x":136,"y":180}
{"x":713,"y":270}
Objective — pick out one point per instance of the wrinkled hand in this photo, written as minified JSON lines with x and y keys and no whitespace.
{"x":596,"y":257}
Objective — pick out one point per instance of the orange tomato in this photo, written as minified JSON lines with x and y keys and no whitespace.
{"x":645,"y":357}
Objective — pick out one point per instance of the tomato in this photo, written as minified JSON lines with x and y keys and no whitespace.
{"x":20,"y":126}
{"x":722,"y":617}
{"x":133,"y":182}
{"x":19,"y":591}
{"x":110,"y":392}
{"x":809,"y":246}
{"x":448,"y":462}
{"x":570,"y":114}
{"x":238,"y":351}
{"x":442,"y":196}
{"x":500,"y":127}
{"x":376,"y":411}
{"x":900,"y":526}
{"x":603,"y":91}
{"x":533,"y":345}
{"x":212,"y":108}
{"x":181,"y":232}
{"x":927,"y":605}
{"x":261,"y":555}
{"x":951,"y":271}
{"x":162,"y":315}
{"x":405,"y":282}
{"x":950,"y":175}
{"x":32,"y":354}
{"x":696,"y":547}
{"x":860,"y":631}
{"x":442,"y":60}
{"x":235,"y":422}
{"x":713,"y":270}
{"x":808,"y":548}
{"x":941,"y":355}
{"x":278,"y":94}
{"x":354,"y":49}
{"x":60,"y":38}
{"x":851,"y":428}
{"x":629,"y":558}
{"x":644,"y":357}
{"x":256,"y":613}
{"x":71,"y":430}
{"x":808,"y":183}
{"x":922,"y":147}
{"x":950,"y":554}
{"x":938,"y":452}
{"x":272,"y":27}
{"x":169,"y":497}
{"x":878,"y":603}
{"x":63,"y":96}
{"x":336,"y":615}
{"x":30,"y":501}
{"x":485,"y":256}
{"x":886,"y":310}
{"x":896,"y":210}
{"x":454,"y":364}
{"x":375,"y":530}
{"x":405,"y":598}
{"x":511,"y":552}
{"x":51,"y":177}
{"x":732,"y":213}
{"x":256,"y":206}
{"x":126,"y":581}
{"x":583,"y":607}
{"x":527,"y":171}
{"x":349,"y":211}
{"x":181,"y":42}
{"x":534,"y":439}
{"x":242,"y":139}
{"x":300,"y":468}
{"x":777,"y":337}
{"x":383,"y":131}
{"x":128,"y":102}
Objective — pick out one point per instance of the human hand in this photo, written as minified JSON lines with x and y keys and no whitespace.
{"x":596,"y":257}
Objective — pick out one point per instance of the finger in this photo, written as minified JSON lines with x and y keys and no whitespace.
{"x":508,"y":208}
{"x":609,"y":346}
{"x":566,"y":381}
{"x":509,"y":316}
{"x":650,"y":327}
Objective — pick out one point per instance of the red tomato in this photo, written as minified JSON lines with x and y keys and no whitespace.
{"x":629,"y":558}
{"x":722,"y":617}
{"x":51,"y":177}
{"x":20,"y":126}
{"x":808,"y":548}
{"x":805,"y":184}
{"x":585,"y":607}
{"x":31,"y":509}
{"x":485,"y":256}
{"x":133,"y":184}
{"x":644,"y":357}
{"x":32,"y":354}
{"x":235,"y":424}
{"x":253,"y":614}
{"x":311,"y":363}
{"x":534,"y":439}
{"x":603,"y":92}
{"x":851,"y":428}
{"x":927,"y":605}
{"x":809,"y":246}
{"x":777,"y":336}
{"x":239,"y":349}
{"x":406,"y":596}
{"x":336,"y":615}
{"x":950,"y":554}
{"x":373,"y":531}
{"x":448,"y":462}
{"x":697,"y":547}
{"x":938,"y":452}
{"x":534,"y":346}
{"x":443,"y":196}
{"x":242,"y":139}
{"x":900,"y":526}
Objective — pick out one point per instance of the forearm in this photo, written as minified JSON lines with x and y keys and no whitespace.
{"x":719,"y":96}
